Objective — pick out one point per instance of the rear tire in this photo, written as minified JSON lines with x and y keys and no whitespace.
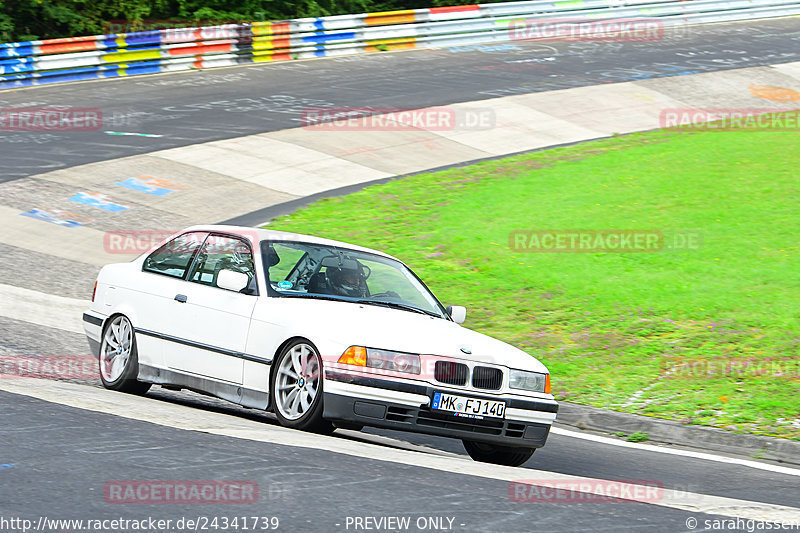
{"x":296,"y":391}
{"x":119,"y":360}
{"x":498,"y":455}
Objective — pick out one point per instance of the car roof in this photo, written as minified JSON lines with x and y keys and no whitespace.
{"x":262,"y":234}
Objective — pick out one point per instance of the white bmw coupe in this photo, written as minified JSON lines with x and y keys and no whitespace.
{"x":322,"y":333}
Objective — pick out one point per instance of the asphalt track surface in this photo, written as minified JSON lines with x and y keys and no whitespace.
{"x":55,"y":460}
{"x":201,"y":106}
{"x":73,"y":454}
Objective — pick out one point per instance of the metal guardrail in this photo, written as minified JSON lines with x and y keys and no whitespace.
{"x":106,"y":56}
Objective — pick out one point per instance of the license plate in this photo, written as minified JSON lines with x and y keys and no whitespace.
{"x":468,"y":407}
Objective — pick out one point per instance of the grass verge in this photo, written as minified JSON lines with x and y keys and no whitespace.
{"x":705,"y":335}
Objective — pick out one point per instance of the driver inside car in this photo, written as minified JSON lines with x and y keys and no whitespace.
{"x":349,"y":282}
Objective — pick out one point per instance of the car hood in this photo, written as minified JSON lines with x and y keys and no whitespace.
{"x":390,"y":329}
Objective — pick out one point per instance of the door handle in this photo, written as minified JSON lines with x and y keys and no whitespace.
{"x":180,"y":298}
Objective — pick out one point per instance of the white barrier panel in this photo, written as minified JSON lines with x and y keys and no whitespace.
{"x":102,"y":56}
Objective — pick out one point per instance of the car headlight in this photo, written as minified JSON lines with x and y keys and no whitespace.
{"x":530,"y":381}
{"x":381,"y":359}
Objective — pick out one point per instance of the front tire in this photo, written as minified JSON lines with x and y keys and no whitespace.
{"x":296,"y":391}
{"x":119,"y":361}
{"x":498,"y":455}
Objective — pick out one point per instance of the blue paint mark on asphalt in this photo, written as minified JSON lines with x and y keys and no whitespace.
{"x":47,"y":216}
{"x":143,"y":186}
{"x":101,"y":201}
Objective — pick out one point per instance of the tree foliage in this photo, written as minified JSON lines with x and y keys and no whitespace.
{"x":6,"y":24}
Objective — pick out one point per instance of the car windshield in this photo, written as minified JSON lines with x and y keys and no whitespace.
{"x":331,"y":272}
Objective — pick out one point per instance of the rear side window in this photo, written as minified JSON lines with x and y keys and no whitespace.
{"x":174,"y":257}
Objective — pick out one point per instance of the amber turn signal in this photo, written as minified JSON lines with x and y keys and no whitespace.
{"x":354,"y":355}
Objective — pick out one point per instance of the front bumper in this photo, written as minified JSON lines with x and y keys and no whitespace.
{"x":93,"y":327}
{"x":406,"y":407}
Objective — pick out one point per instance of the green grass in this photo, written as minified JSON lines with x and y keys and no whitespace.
{"x":610,"y":326}
{"x":639,"y":436}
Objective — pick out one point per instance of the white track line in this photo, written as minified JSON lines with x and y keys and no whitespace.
{"x":683,"y":453}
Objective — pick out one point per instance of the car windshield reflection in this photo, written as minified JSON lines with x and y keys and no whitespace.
{"x":329,"y":272}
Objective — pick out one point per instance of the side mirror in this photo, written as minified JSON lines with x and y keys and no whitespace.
{"x":457,"y":313}
{"x":232,"y":280}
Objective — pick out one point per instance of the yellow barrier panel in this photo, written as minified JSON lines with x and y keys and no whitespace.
{"x":405,"y":16}
{"x":268,"y":56}
{"x":382,"y":45}
{"x":270,"y":28}
{"x":131,"y":55}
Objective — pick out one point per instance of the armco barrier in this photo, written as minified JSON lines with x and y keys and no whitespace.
{"x":126,"y":54}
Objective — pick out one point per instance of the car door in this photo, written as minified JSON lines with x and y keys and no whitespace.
{"x":212,"y":323}
{"x":151,"y":295}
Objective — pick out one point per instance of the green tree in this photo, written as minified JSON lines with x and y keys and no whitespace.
{"x":262,"y":10}
{"x":6,"y":24}
{"x":44,"y":19}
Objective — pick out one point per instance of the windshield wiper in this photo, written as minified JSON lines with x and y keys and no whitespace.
{"x":383,"y":303}
{"x":310,"y":296}
{"x":396,"y":305}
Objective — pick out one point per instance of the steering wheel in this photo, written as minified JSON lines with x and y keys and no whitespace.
{"x":387,"y":294}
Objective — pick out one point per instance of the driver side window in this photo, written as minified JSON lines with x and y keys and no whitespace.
{"x":222,"y":253}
